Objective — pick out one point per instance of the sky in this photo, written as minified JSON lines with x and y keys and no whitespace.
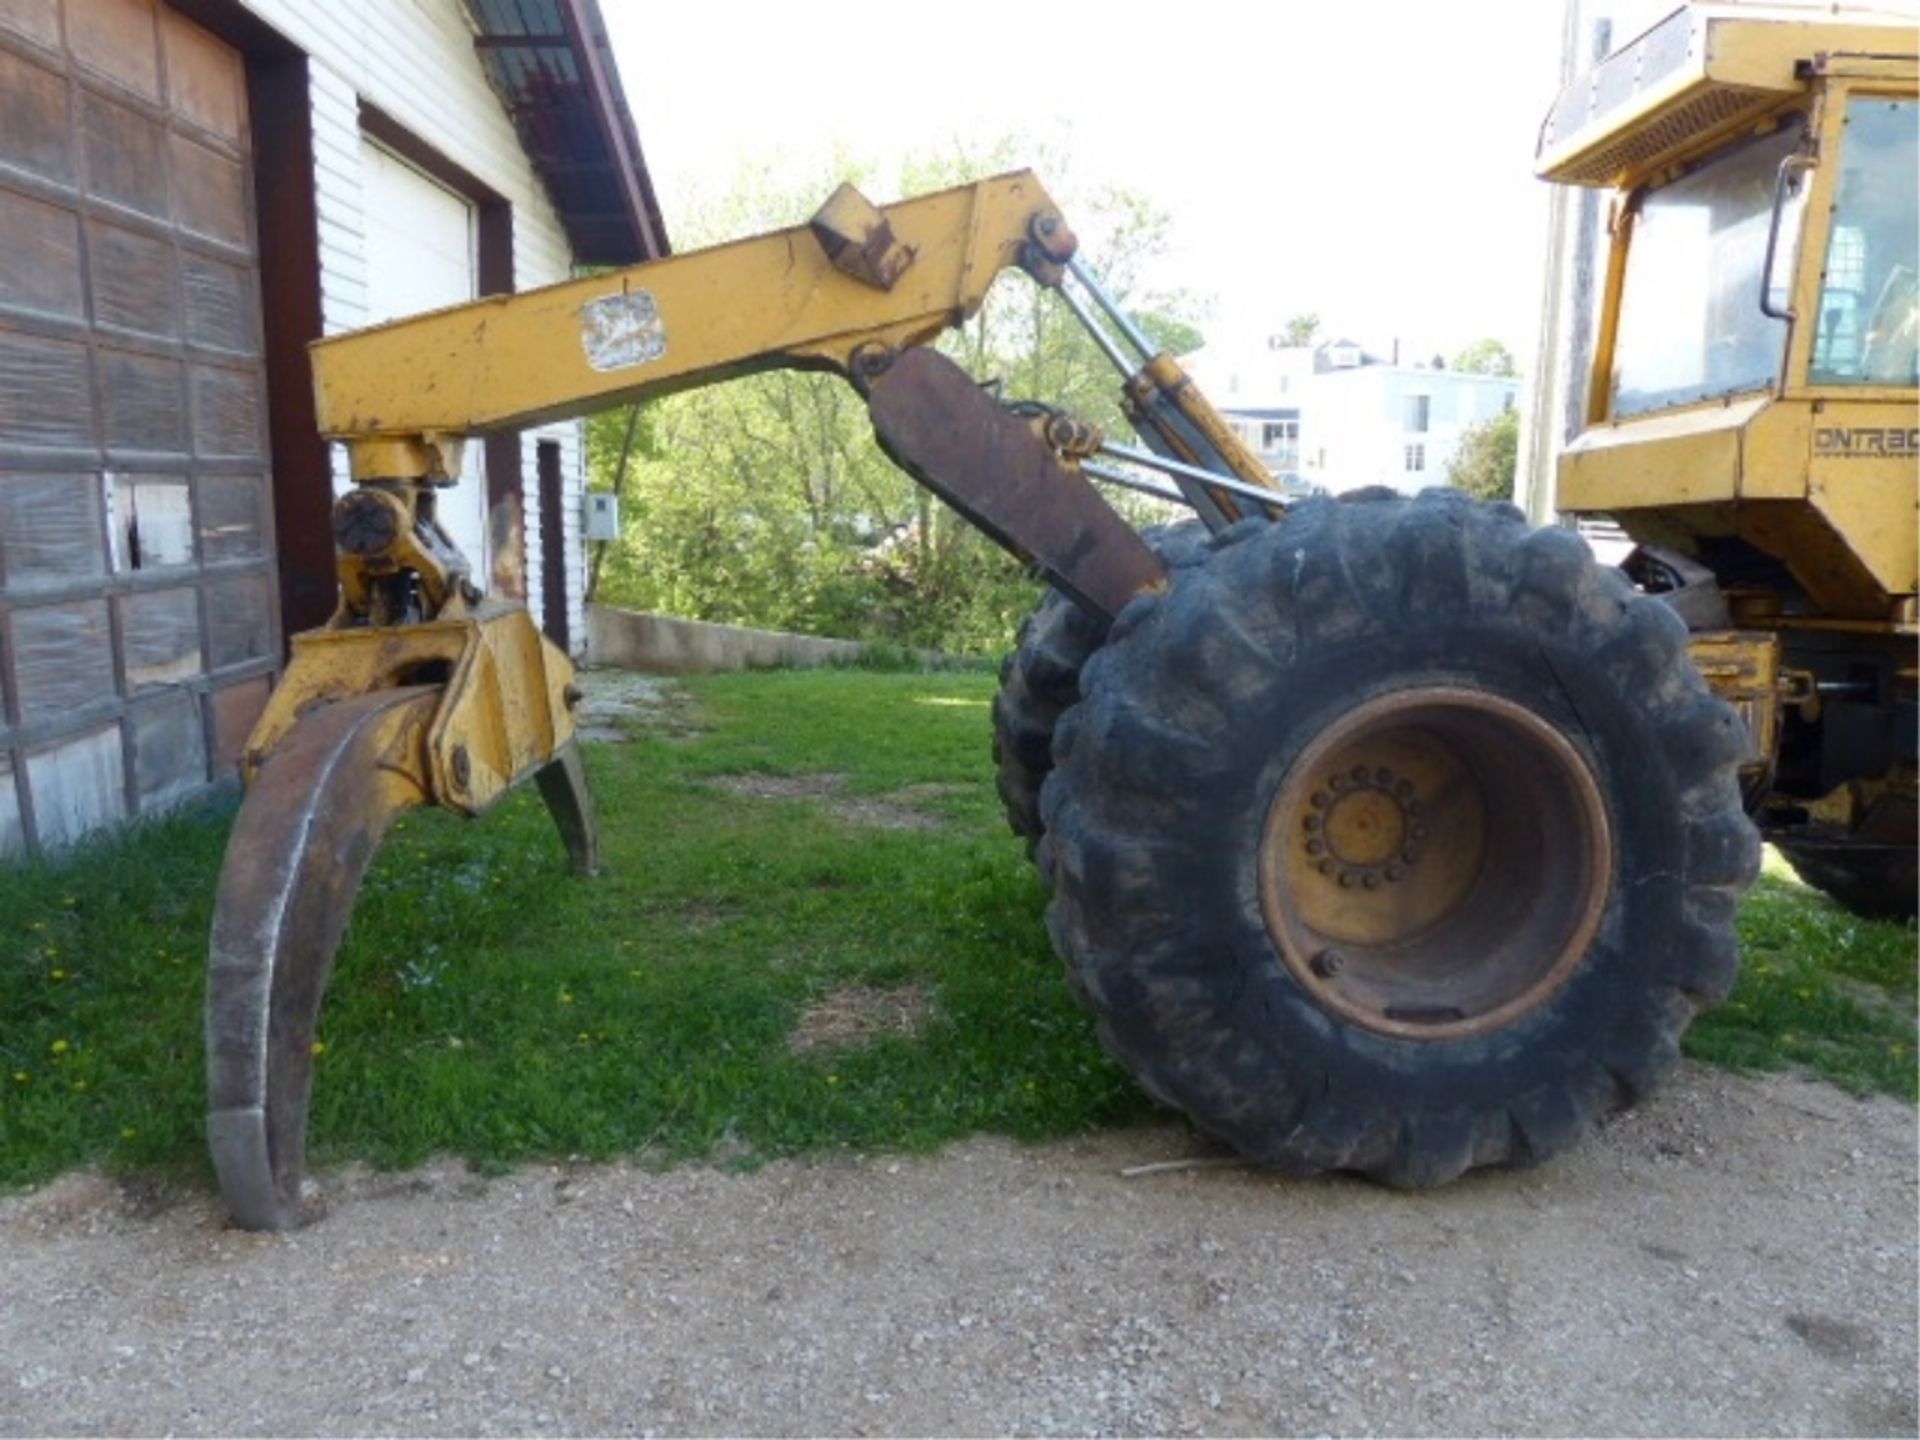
{"x":1370,"y":162}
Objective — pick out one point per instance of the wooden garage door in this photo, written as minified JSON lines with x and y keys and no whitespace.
{"x":137,"y":598}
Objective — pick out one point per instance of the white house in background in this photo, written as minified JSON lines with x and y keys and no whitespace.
{"x":191,"y":191}
{"x":1371,"y":422}
{"x":1337,"y":417}
{"x":1259,"y":392}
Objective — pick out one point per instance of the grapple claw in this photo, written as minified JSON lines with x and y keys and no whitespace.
{"x":563,"y":785}
{"x":309,"y":827}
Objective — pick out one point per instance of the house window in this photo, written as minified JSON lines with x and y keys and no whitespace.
{"x":1277,"y":433}
{"x":1416,"y":459}
{"x":1418,"y":411}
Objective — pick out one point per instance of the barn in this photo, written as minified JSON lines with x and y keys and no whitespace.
{"x":191,"y":191}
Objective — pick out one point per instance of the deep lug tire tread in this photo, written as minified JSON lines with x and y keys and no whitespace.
{"x":1040,"y":679}
{"x":1152,"y":821}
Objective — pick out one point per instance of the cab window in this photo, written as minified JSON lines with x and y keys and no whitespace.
{"x":1691,"y":326}
{"x":1869,"y":327}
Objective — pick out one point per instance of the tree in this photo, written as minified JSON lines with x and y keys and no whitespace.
{"x":765,"y":500}
{"x":1489,"y":453}
{"x":1485,"y":357}
{"x":1300,"y":329}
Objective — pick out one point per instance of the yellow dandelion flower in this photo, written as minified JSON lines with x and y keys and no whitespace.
{"x":56,"y":974}
{"x":566,"y":997}
{"x":20,"y":1077}
{"x":319,"y":1047}
{"x":60,"y":1047}
{"x":79,"y":1084}
{"x":127,"y":1132}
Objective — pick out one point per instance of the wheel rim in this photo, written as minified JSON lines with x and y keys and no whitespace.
{"x":1436,"y":863}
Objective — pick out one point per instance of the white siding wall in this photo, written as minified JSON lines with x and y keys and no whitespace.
{"x":415,"y":60}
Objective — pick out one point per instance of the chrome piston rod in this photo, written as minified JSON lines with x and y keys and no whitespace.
{"x":1232,"y":485}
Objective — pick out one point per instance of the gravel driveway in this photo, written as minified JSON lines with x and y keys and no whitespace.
{"x":1736,"y":1258}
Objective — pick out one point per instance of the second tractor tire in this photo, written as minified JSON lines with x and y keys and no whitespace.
{"x":1040,"y":678}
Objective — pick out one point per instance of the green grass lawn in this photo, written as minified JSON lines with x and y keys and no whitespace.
{"x":489,"y":1005}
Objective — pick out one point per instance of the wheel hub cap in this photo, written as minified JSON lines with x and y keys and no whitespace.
{"x":1435,"y":863}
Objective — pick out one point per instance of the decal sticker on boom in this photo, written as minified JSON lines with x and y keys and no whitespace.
{"x":621,"y":331}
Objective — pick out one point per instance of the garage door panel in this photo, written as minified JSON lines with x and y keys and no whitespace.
{"x":125,"y":156}
{"x":221,"y":304}
{"x":134,"y":285}
{"x":209,"y":192}
{"x":40,"y":258}
{"x":206,"y":80}
{"x":33,"y":120}
{"x":35,"y":20}
{"x":115,"y":40}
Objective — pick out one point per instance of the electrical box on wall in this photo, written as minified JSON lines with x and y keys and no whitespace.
{"x":603,"y":515}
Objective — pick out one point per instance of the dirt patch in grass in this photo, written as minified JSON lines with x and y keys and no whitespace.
{"x":781,"y":787}
{"x":856,"y":1015}
{"x":902,"y":809}
{"x":618,"y":705}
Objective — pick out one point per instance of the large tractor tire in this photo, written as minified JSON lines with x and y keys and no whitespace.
{"x":1040,"y":678}
{"x":1396,"y":838}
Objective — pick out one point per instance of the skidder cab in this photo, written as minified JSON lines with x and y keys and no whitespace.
{"x":1753,"y":419}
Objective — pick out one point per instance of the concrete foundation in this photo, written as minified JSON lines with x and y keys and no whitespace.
{"x":636,"y":640}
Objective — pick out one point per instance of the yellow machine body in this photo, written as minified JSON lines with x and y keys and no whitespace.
{"x":1817,"y":474}
{"x":1752,"y":415}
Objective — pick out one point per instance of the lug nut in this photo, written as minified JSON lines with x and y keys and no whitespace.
{"x":1394,"y":872}
{"x":1346,"y":879}
{"x":1383,"y":776}
{"x":1316,"y":847}
{"x":1319,"y":800}
{"x":1360,"y":774}
{"x":1327,"y":964}
{"x":1326,"y":867}
{"x":1338,"y":783}
{"x":1404,"y":789}
{"x":1313,"y":822}
{"x":1370,"y":881}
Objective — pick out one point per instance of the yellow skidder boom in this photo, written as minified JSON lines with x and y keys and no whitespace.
{"x":419,"y":692}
